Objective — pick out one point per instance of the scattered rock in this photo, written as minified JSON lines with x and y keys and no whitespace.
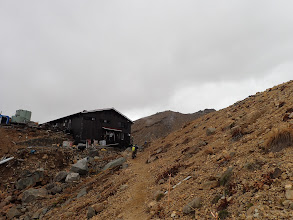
{"x":210,"y":131}
{"x":277,"y":173}
{"x":27,"y":217}
{"x":8,"y":199}
{"x":289,"y":194}
{"x":30,"y":180}
{"x":80,"y":167}
{"x":271,"y":155}
{"x":82,"y":192}
{"x":152,"y":204}
{"x":68,"y":215}
{"x":125,"y":166}
{"x":115,"y":163}
{"x":98,"y":207}
{"x":152,"y":159}
{"x":210,"y":184}
{"x":93,"y":152}
{"x":288,"y":186}
{"x":91,"y":212}
{"x":288,"y":204}
{"x":123,"y":187}
{"x":161,"y":181}
{"x":173,"y":215}
{"x":56,"y":189}
{"x":252,"y":212}
{"x":44,"y":211}
{"x":159,"y":150}
{"x":191,"y":206}
{"x":209,"y":150}
{"x":13,"y":213}
{"x":225,"y":177}
{"x":284,"y":176}
{"x":50,"y":186}
{"x":159,"y":195}
{"x":61,"y":176}
{"x":72,"y":177}
{"x":128,"y":149}
{"x":37,"y":214}
{"x":33,"y":194}
{"x":202,"y":143}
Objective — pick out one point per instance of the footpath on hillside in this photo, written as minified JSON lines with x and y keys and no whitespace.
{"x":135,"y":207}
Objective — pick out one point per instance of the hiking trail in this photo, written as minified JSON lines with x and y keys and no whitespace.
{"x":135,"y":207}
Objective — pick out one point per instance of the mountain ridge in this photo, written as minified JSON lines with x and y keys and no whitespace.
{"x":161,"y":124}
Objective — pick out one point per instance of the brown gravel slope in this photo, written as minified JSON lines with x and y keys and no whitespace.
{"x":237,"y":163}
{"x":256,"y":186}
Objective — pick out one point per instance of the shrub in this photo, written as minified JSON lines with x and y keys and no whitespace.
{"x":279,"y":139}
{"x":216,"y":199}
{"x":236,"y":133}
{"x":223,"y":214}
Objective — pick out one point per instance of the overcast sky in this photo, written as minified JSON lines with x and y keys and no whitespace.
{"x":60,"y":57}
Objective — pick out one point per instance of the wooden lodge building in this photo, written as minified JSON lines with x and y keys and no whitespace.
{"x":107,"y":126}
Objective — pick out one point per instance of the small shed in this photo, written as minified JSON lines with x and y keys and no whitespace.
{"x":4,"y":119}
{"x":107,"y":126}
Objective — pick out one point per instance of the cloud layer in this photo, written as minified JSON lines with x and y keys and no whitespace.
{"x":60,"y":57}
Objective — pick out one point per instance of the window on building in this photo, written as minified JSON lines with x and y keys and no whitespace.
{"x":89,"y":118}
{"x":122,"y":124}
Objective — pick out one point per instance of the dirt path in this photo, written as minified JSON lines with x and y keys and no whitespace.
{"x":135,"y":207}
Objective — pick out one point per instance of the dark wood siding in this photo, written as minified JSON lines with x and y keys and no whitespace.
{"x":106,"y":125}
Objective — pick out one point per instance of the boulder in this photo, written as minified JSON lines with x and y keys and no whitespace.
{"x":210,"y":184}
{"x":50,"y":186}
{"x":82,"y":192}
{"x":277,"y":173}
{"x":91,"y":212}
{"x":288,"y":204}
{"x":289,"y":194}
{"x":125,"y":166}
{"x":98,"y":207}
{"x":61,"y":176}
{"x":128,"y":150}
{"x":72,"y":177}
{"x":37,"y":214}
{"x":210,"y":131}
{"x":114,"y":163}
{"x":161,"y":181}
{"x":56,"y":189}
{"x":160,"y":150}
{"x":158,"y":195}
{"x":13,"y":213}
{"x":152,"y":159}
{"x":30,"y":180}
{"x":225,"y":177}
{"x":191,"y":206}
{"x":33,"y":194}
{"x":123,"y":187}
{"x":80,"y":167}
{"x":93,"y":152}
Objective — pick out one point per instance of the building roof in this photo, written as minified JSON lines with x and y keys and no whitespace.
{"x":91,"y":111}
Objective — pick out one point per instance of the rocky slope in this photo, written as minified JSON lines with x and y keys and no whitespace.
{"x":161,"y":124}
{"x":235,"y":163}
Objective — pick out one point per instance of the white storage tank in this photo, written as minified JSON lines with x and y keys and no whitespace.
{"x":21,"y":116}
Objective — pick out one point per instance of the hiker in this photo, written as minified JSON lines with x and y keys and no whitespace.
{"x":134,"y":151}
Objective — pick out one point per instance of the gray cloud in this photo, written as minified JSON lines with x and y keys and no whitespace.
{"x":60,"y":57}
